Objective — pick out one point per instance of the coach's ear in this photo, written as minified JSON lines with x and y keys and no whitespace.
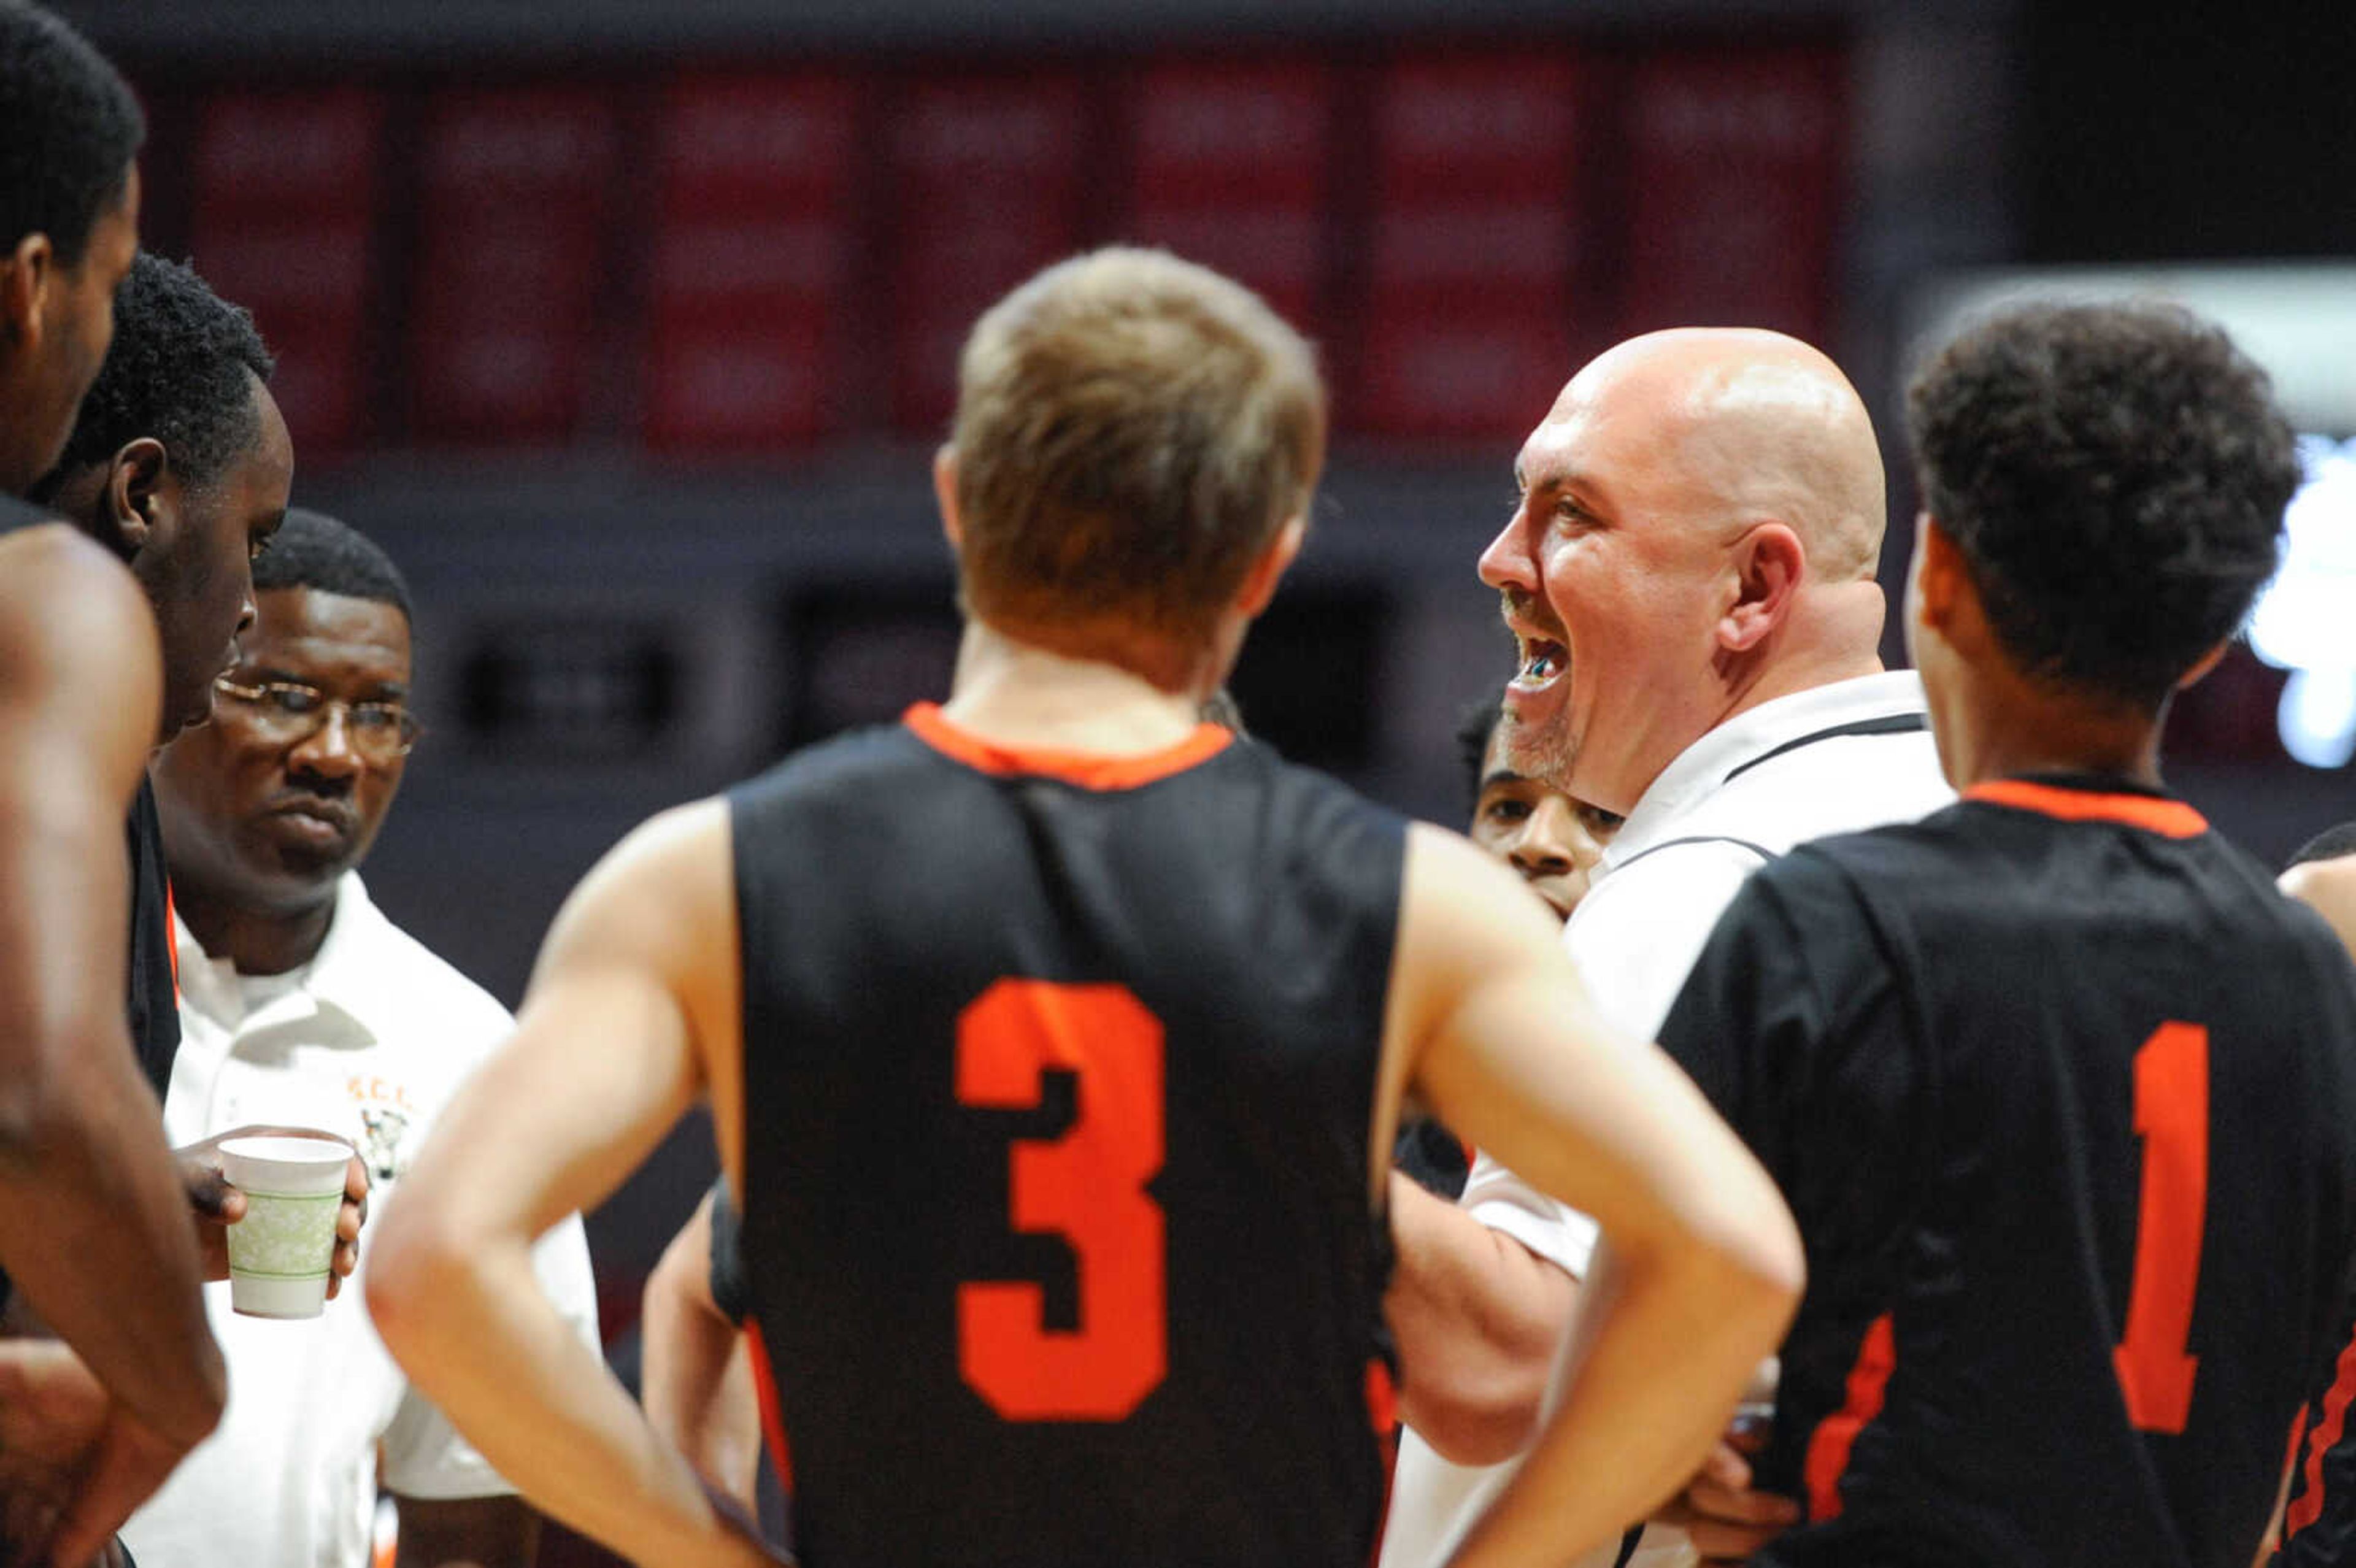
{"x":1267,"y":571}
{"x":1768,"y":565}
{"x":945,"y":493}
{"x":2207,"y":662}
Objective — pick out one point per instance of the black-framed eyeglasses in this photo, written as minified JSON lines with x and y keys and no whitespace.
{"x":286,"y":711}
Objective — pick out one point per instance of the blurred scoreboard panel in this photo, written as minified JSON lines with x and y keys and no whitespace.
{"x":286,"y":203}
{"x":746,"y":257}
{"x":1476,"y":223}
{"x":1229,"y":165}
{"x":513,"y":189}
{"x":752,"y":253}
{"x":1734,"y":161}
{"x":984,"y":174}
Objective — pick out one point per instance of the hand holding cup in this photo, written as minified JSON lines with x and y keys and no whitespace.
{"x":281,"y":1254}
{"x":220,"y":1206}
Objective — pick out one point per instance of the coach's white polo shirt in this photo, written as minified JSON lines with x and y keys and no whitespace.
{"x":367,"y":1040}
{"x":1838,"y":758}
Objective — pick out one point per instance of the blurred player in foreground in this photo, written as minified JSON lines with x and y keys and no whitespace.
{"x":2063,"y":1091}
{"x":93,"y":1224}
{"x":1054,"y":1043}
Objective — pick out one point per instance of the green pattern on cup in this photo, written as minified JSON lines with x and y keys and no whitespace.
{"x":284,"y":1235}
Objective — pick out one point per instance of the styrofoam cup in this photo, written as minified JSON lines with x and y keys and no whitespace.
{"x":279,"y":1255}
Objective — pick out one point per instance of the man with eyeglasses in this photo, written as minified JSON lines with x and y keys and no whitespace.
{"x":302,"y":1005}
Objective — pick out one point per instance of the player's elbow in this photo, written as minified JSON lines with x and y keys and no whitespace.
{"x":32,"y":1118}
{"x":419,"y":1278}
{"x":1470,"y":1384}
{"x":1746,"y":1258}
{"x":1771,"y":1258}
{"x":183,"y":1404}
{"x":1476,"y":1419}
{"x":1477,"y":1317}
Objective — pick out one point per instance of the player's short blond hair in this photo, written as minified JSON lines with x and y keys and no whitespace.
{"x":1133,"y":430}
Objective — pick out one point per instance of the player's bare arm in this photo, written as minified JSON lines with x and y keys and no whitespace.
{"x":1476,"y":1316}
{"x":93,"y":1225}
{"x":696,"y":1374}
{"x":1700,"y":1267}
{"x":632,"y":1016}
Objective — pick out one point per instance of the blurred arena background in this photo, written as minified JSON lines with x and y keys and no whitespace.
{"x":628,"y":328}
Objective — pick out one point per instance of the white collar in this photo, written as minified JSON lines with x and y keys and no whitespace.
{"x":342,"y":975}
{"x":1703,"y":767}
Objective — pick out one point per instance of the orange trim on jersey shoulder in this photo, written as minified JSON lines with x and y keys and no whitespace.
{"x":2168,"y":818}
{"x":1089,"y":770}
{"x":1829,"y":1445}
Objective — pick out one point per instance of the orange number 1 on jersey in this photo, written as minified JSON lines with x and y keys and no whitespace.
{"x":2171,"y":1114}
{"x":1087,"y":1186}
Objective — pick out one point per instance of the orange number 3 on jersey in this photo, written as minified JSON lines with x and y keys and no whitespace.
{"x":2171,"y":1114}
{"x":1088,"y":1187}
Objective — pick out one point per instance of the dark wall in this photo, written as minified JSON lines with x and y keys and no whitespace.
{"x":2183,"y":132}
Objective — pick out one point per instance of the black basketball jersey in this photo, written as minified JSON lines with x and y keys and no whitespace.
{"x":154,"y":981}
{"x":1058,"y":1074}
{"x":2062,"y":1092}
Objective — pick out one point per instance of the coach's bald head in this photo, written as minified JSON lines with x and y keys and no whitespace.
{"x":1763,"y":423}
{"x":1701,"y":516}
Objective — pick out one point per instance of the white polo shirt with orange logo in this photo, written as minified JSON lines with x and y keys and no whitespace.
{"x":369,"y":1041}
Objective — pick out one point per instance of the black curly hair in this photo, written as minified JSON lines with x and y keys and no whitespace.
{"x":311,"y":549}
{"x":2114,"y":476}
{"x":1475,"y":725}
{"x":182,"y":370}
{"x":68,"y":130}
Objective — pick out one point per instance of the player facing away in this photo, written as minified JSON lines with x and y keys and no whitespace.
{"x":2061,"y":1091}
{"x":1055,"y":1040}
